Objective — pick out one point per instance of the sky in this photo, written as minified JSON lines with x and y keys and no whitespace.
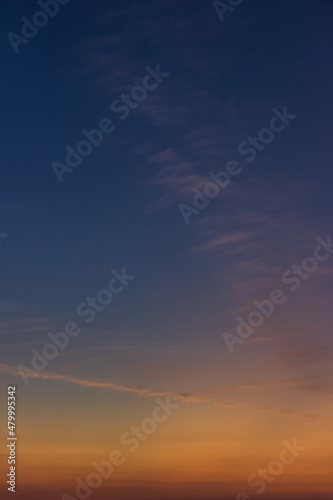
{"x":204,"y":178}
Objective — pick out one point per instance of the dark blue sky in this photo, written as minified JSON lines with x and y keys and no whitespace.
{"x":119,"y":207}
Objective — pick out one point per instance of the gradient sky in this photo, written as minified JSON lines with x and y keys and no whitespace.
{"x":163,"y":334}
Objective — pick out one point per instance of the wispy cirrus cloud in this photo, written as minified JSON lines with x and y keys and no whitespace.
{"x":151,"y":392}
{"x":226,"y":240}
{"x":140,"y":391}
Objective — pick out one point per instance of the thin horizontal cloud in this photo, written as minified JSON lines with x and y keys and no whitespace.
{"x":226,"y":404}
{"x":285,"y":412}
{"x":139,"y":391}
{"x":223,"y":241}
{"x":299,"y":383}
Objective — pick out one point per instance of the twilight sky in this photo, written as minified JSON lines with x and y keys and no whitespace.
{"x":190,"y":278}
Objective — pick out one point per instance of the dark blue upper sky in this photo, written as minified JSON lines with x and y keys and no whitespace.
{"x":120,"y":206}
